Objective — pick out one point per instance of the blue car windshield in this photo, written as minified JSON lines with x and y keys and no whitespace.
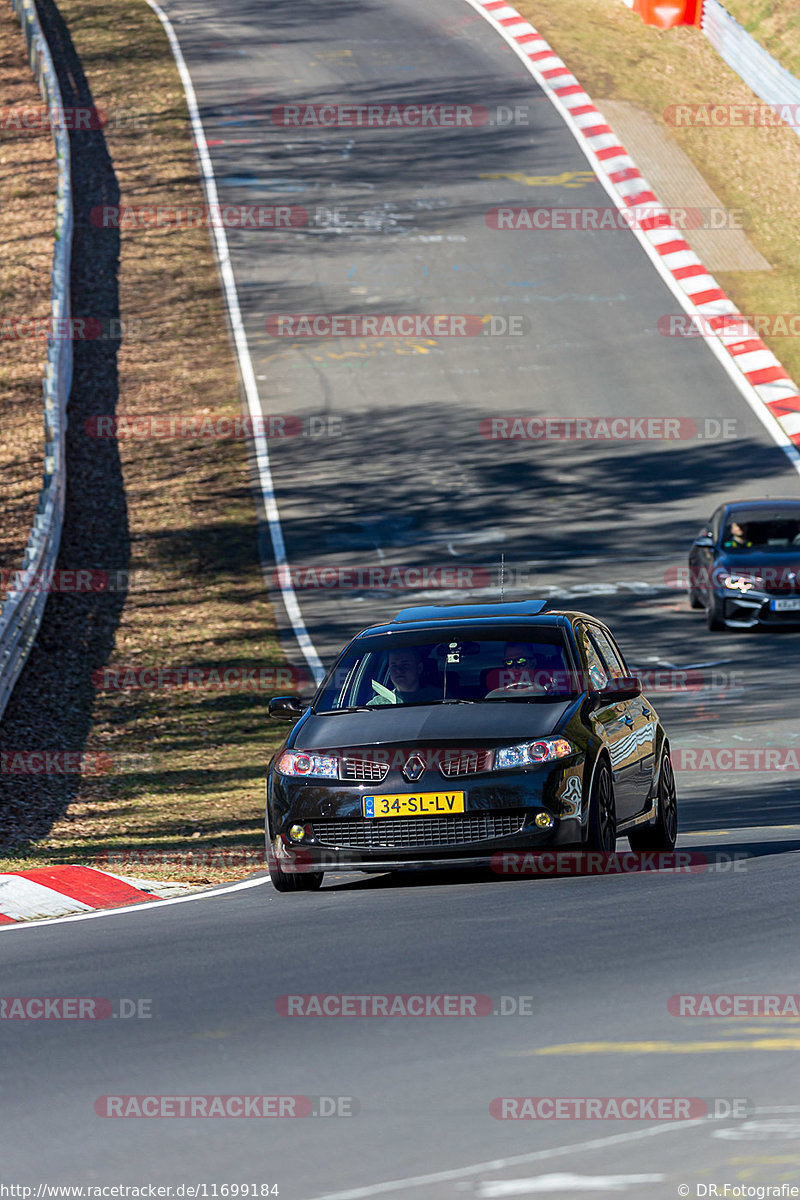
{"x":438,"y":667}
{"x":747,"y":531}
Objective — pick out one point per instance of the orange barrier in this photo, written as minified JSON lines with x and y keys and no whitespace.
{"x":666,"y":14}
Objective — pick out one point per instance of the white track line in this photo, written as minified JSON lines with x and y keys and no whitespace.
{"x":261,"y":446}
{"x":499,"y":1164}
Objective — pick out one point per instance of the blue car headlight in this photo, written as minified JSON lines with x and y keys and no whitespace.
{"x":530,"y":754}
{"x":311,"y":766}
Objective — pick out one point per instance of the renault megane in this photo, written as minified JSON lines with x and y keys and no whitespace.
{"x":449,"y":734}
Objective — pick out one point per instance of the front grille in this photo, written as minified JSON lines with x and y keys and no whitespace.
{"x":408,"y":832}
{"x":465,"y":762}
{"x":365,"y":769}
{"x":780,"y":587}
{"x":778,"y":582}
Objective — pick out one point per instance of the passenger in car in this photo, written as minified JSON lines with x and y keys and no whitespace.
{"x":406,"y":670}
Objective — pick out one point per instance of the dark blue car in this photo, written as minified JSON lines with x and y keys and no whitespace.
{"x":744,"y":568}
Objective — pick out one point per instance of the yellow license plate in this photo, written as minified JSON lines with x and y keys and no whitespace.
{"x":418,"y":804}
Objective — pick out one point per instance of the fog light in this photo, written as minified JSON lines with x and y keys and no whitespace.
{"x":297,"y":833}
{"x":543,"y":820}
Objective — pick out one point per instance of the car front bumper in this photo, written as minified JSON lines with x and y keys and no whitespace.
{"x":750,"y":609}
{"x":499,"y":815}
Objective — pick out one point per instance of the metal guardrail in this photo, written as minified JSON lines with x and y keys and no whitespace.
{"x":763,"y":75}
{"x":21,"y":613}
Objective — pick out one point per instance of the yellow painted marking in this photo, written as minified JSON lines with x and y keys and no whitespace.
{"x":765,"y":1028}
{"x":764,"y":1161}
{"x":399,"y":346}
{"x":774,"y":1043}
{"x":569,"y":179}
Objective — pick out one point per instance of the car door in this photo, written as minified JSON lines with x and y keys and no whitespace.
{"x":702,"y":557}
{"x":640,"y":717}
{"x":613,"y":723}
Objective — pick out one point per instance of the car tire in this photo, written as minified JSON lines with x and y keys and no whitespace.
{"x":663,"y":834}
{"x":695,"y":599}
{"x":292,"y":881}
{"x":602,"y":832}
{"x":714,"y":621}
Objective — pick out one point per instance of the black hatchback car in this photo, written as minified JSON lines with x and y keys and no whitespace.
{"x":450,"y":734}
{"x":744,"y":568}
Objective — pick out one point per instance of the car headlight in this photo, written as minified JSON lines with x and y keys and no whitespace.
{"x":530,"y":754}
{"x":738,"y":583}
{"x":316,"y":766}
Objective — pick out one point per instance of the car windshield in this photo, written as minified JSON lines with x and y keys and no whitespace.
{"x":442,"y":667}
{"x":759,"y":530}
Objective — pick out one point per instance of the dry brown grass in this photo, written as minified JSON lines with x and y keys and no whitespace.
{"x":186,"y":767}
{"x":773,"y":23}
{"x":27,"y":202}
{"x":754,"y":170}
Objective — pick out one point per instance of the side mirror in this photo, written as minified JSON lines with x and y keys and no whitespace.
{"x":287,"y":708}
{"x":705,"y":542}
{"x":627,"y":687}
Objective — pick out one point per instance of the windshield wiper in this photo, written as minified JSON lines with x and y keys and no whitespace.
{"x":453,"y":700}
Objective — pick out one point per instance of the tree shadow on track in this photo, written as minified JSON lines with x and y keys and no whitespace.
{"x":51,"y":706}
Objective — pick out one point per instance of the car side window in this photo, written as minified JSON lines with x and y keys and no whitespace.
{"x":611,"y":656}
{"x":715,"y":524}
{"x":598,"y":674}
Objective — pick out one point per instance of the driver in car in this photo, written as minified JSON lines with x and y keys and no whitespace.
{"x":406,"y":668}
{"x":518,"y":672}
{"x":736,"y":537}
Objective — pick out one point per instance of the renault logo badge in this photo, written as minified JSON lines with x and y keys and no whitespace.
{"x":414,"y":767}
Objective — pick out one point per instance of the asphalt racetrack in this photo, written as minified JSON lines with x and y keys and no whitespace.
{"x":394,"y":471}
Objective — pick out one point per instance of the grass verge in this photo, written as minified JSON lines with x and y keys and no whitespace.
{"x":754,"y":170}
{"x":173,"y":775}
{"x":27,"y":201}
{"x":773,"y":23}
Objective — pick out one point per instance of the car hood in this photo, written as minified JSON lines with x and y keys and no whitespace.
{"x":445,"y":724}
{"x":754,"y":561}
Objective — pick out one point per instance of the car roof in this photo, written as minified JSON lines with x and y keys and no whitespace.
{"x":776,"y":502}
{"x":476,"y":617}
